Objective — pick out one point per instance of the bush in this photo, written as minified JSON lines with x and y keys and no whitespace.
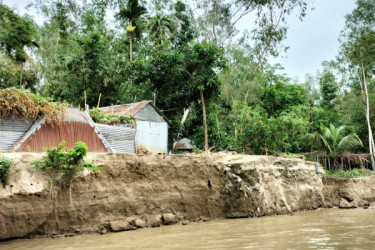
{"x":354,"y":173}
{"x":99,"y":116}
{"x":63,"y":164}
{"x":5,"y":165}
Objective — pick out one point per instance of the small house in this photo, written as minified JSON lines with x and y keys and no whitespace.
{"x":151,"y":126}
{"x":35,"y":136}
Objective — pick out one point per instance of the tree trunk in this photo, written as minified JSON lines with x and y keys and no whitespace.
{"x":204,"y":123}
{"x":21,"y":75}
{"x":370,"y":137}
{"x":131,"y":48}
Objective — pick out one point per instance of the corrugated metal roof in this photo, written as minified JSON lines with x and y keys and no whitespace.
{"x":72,"y":116}
{"x":11,"y":131}
{"x":121,"y":139}
{"x":125,"y":109}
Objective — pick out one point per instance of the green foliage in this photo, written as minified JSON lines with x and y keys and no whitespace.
{"x":243,"y":80}
{"x":353,"y":173}
{"x":63,"y":164}
{"x":249,"y":130}
{"x":179,"y":52}
{"x":5,"y":165}
{"x":131,"y":11}
{"x":88,"y":64}
{"x":99,"y":116}
{"x":328,"y":89}
{"x":16,"y":33}
{"x":334,"y":141}
{"x":185,"y":32}
{"x":10,"y":74}
{"x":160,"y":26}
{"x":282,"y":96}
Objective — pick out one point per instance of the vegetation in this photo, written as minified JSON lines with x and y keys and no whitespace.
{"x":211,"y":79}
{"x":23,"y":104}
{"x":16,"y":34}
{"x":334,"y":141}
{"x":353,"y":173}
{"x":99,"y":116}
{"x":64,"y":165}
{"x":5,"y":165}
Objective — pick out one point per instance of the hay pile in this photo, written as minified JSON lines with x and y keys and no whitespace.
{"x":143,"y":150}
{"x":22,"y":104}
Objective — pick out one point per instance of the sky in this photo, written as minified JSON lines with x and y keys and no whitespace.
{"x":310,"y":42}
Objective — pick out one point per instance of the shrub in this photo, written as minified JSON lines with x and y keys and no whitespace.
{"x":5,"y":165}
{"x":63,"y":164}
{"x":99,"y":116}
{"x":354,"y":173}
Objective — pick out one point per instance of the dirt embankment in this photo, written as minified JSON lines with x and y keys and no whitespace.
{"x":349,"y":193}
{"x":148,"y":191}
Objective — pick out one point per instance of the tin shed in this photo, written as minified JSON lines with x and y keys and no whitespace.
{"x":75,"y":125}
{"x":151,"y":125}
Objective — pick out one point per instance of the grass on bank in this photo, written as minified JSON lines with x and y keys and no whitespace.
{"x":353,"y":173}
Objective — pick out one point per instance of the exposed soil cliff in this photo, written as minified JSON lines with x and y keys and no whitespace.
{"x":133,"y":191}
{"x":349,"y":193}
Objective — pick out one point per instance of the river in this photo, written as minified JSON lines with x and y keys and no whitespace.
{"x":319,"y":229}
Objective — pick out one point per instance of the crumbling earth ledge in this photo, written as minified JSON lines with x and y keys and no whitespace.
{"x":136,"y":191}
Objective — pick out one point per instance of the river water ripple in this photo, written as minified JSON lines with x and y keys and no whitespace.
{"x":319,"y":229}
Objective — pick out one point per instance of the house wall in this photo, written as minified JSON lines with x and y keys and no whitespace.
{"x":68,"y":131}
{"x":11,"y":130}
{"x":153,"y":135}
{"x":148,"y":113}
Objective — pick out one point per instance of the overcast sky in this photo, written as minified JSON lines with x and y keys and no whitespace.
{"x":310,"y":42}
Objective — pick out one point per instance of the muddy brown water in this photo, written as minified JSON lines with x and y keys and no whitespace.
{"x":319,"y":229}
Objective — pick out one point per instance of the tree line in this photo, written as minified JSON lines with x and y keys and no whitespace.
{"x":212,"y":80}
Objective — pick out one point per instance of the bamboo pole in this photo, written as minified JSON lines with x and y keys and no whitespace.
{"x":84,"y":97}
{"x":100,"y":95}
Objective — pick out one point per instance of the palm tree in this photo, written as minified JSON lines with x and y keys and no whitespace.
{"x":334,"y":141}
{"x":160,"y":25}
{"x":131,"y":12}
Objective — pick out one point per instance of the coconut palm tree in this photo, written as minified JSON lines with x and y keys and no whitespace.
{"x":334,"y":141}
{"x":160,"y":25}
{"x":131,"y":12}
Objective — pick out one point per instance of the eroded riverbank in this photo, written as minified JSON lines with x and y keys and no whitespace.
{"x":133,"y":191}
{"x":318,"y":229}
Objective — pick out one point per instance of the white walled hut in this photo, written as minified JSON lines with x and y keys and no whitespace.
{"x":151,"y":126}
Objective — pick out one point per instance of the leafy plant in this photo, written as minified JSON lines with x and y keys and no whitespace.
{"x":353,"y":173}
{"x":5,"y":165}
{"x":334,"y":141}
{"x":63,"y":164}
{"x":99,"y":116}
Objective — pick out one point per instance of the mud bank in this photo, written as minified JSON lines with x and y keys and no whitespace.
{"x":349,"y":193}
{"x":135,"y":191}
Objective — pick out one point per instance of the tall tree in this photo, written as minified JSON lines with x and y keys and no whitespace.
{"x":131,"y":12}
{"x":328,"y":89}
{"x":358,"y":51}
{"x":16,"y":34}
{"x":160,"y":26}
